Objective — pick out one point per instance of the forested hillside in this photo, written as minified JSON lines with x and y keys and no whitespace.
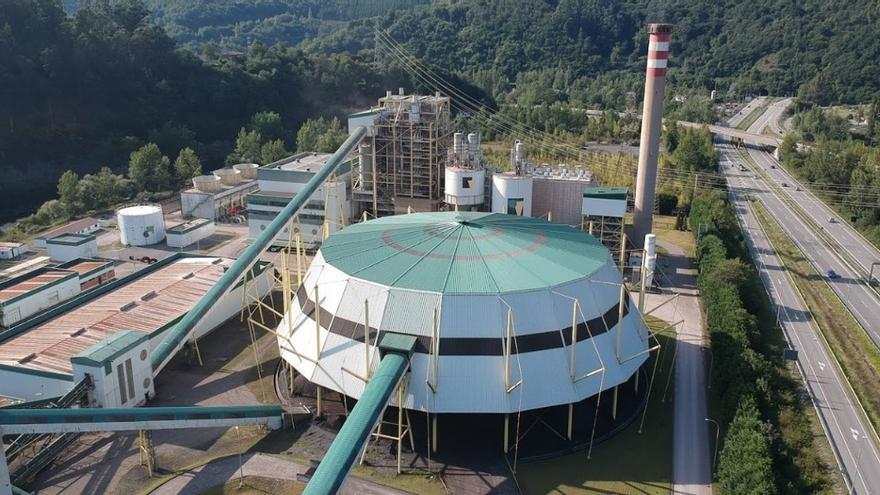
{"x":82,"y":92}
{"x":83,"y":88}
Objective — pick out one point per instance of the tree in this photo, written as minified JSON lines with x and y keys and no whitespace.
{"x":149,"y":169}
{"x":187,"y":165}
{"x":248,"y":148}
{"x":68,"y":191}
{"x":745,"y":466}
{"x":273,"y":151}
{"x":268,"y":125}
{"x":320,"y":135}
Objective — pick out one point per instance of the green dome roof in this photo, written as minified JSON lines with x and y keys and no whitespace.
{"x":464,"y":252}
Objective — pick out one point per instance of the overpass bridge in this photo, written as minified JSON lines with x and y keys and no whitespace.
{"x":746,"y":137}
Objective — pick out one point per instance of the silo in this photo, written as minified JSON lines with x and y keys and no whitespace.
{"x":247,"y":170}
{"x":512,"y":194}
{"x":141,"y":225}
{"x":228,"y":176}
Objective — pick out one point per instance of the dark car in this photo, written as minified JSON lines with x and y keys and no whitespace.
{"x":831,"y":274}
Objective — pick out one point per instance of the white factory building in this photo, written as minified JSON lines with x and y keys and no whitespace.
{"x":86,"y":225}
{"x":39,"y":357}
{"x":189,"y":233}
{"x":68,"y":247}
{"x":279,"y":182}
{"x":220,"y":196}
{"x":26,"y":295}
{"x":12,"y":250}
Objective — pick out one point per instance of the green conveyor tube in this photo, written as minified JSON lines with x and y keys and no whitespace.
{"x":344,"y":451}
{"x":177,"y":335}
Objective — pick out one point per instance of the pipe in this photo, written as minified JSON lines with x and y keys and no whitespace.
{"x":177,"y":336}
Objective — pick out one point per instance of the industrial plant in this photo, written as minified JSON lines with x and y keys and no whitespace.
{"x":446,"y":295}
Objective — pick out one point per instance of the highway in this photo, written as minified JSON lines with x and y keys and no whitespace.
{"x":838,"y":412}
{"x":835,"y":246}
{"x":744,"y":112}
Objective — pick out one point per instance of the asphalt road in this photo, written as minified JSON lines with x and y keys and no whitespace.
{"x":692,"y":454}
{"x":847,"y":431}
{"x":746,"y":111}
{"x":849,"y":256}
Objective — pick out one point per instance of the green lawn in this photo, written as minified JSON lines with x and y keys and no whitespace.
{"x":628,"y":463}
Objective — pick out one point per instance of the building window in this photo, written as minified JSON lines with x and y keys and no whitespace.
{"x":515,"y":206}
{"x":129,"y":378}
{"x":467,"y":182}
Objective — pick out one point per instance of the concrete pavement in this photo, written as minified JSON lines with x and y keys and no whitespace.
{"x":692,"y":454}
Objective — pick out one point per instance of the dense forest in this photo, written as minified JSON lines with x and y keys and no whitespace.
{"x":83,"y":83}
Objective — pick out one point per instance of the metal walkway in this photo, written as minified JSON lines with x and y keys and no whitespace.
{"x":352,"y":438}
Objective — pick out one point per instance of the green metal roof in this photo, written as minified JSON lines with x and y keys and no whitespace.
{"x":464,"y":252}
{"x":606,"y":192}
{"x":71,"y":239}
{"x":107,"y":350}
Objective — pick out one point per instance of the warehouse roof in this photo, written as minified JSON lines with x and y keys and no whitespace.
{"x":74,"y":226}
{"x":87,"y":266}
{"x":71,"y":239}
{"x":32,"y":282}
{"x":464,"y":252}
{"x":147,"y":301}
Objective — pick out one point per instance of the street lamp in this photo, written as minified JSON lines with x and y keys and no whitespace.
{"x":717,"y":433}
{"x":240,"y":465}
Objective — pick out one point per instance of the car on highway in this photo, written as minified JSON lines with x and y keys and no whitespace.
{"x":831,"y":274}
{"x":772,"y":166}
{"x":785,"y":184}
{"x":832,"y":220}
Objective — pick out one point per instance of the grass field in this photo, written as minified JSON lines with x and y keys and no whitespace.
{"x":857,"y":355}
{"x":628,"y":463}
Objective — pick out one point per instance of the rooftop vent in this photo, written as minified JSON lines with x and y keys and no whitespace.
{"x":128,"y":307}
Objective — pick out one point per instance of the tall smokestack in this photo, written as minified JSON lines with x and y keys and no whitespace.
{"x":652,"y":115}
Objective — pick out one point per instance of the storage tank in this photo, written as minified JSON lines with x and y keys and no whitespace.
{"x":228,"y":176}
{"x":141,"y":225}
{"x":512,"y":194}
{"x":464,"y":187}
{"x":247,"y":170}
{"x":650,"y":258}
{"x":207,"y":183}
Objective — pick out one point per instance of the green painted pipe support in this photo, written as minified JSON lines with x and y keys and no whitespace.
{"x":177,"y":336}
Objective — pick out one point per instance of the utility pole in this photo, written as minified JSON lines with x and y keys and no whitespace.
{"x":717,"y":434}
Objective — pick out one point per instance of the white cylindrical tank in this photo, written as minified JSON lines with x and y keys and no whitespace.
{"x":650,"y":258}
{"x":228,"y":176}
{"x":465,"y":187}
{"x":473,"y":142}
{"x":519,"y":152}
{"x":141,"y":225}
{"x":247,"y":170}
{"x":207,"y":183}
{"x":512,"y":194}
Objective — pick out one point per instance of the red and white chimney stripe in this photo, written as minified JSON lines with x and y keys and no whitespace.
{"x":658,"y":54}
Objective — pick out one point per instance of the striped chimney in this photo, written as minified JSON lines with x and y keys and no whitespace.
{"x":652,"y":115}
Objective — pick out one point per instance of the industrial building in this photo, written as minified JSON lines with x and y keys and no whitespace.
{"x":36,"y":357}
{"x":403,"y":157}
{"x":604,"y":212}
{"x":12,"y":250}
{"x":66,"y":247}
{"x":92,"y":271}
{"x":189,"y":233}
{"x":141,"y":225}
{"x":86,"y":225}
{"x":328,"y":209}
{"x":220,"y":196}
{"x":26,"y":295}
{"x":507,"y":314}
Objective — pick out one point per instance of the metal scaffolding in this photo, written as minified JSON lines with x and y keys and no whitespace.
{"x":402,"y":164}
